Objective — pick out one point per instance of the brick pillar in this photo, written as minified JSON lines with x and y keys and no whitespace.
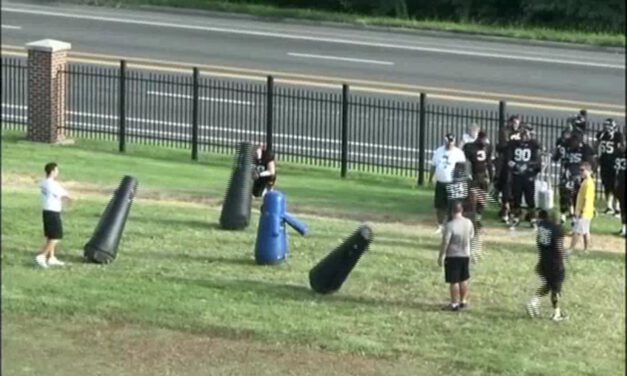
{"x":46,"y":90}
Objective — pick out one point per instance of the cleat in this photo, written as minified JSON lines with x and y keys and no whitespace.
{"x":533,"y":310}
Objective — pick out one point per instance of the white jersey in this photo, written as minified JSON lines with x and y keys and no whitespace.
{"x":51,"y":194}
{"x":444,"y":161}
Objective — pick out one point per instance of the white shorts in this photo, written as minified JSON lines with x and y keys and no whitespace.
{"x":582,"y":226}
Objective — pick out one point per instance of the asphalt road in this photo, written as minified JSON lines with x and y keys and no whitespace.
{"x":460,"y":70}
{"x":454,"y":66}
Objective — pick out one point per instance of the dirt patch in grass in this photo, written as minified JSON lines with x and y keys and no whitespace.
{"x":46,"y":346}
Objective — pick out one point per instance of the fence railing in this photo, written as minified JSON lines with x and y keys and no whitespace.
{"x":333,"y":128}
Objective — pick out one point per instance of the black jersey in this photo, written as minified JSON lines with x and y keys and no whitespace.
{"x":559,"y":154}
{"x":608,"y":145}
{"x":526,"y":157}
{"x":550,"y":242}
{"x":575,"y":156}
{"x":457,"y":190}
{"x":620,"y":165}
{"x":480,"y":157}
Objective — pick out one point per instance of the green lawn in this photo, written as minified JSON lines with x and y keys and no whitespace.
{"x":185,"y":297}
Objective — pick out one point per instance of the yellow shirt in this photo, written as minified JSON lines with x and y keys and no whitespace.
{"x":585,"y":199}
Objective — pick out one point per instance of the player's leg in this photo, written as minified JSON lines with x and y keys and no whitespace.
{"x":565,"y":194}
{"x":517,"y":195}
{"x":607,"y":188}
{"x":530,"y":198}
{"x":620,"y":195}
{"x":440,"y":202}
{"x":465,"y":282}
{"x":556,"y":290}
{"x":533,"y":307}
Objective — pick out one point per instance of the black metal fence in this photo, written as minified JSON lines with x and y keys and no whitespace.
{"x":333,"y":128}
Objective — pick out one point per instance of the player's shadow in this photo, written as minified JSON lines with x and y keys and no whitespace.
{"x":303,"y":293}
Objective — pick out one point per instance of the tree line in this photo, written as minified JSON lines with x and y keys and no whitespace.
{"x":582,"y":15}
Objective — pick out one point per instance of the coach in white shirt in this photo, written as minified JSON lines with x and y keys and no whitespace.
{"x":52,"y":194}
{"x":444,"y":159}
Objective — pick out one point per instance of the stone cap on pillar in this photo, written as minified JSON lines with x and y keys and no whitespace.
{"x":49,"y":45}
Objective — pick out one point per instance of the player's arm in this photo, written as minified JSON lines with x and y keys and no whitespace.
{"x":434,"y":161}
{"x":446,"y":239}
{"x":271,"y":171}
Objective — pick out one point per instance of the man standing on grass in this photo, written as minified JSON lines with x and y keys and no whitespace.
{"x":444,"y":160}
{"x":584,"y":208}
{"x":455,"y":254}
{"x":550,"y":268}
{"x":52,"y":194}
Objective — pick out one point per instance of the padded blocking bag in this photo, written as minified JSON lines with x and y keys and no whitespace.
{"x":238,"y":200}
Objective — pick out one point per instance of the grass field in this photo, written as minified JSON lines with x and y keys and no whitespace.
{"x":185,"y":298}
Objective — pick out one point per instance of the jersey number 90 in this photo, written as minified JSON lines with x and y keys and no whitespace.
{"x":522,"y":155}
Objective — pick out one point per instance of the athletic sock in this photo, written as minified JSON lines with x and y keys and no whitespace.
{"x":557,"y":312}
{"x":535,"y":301}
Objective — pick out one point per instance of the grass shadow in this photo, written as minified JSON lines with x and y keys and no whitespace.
{"x":299,"y":293}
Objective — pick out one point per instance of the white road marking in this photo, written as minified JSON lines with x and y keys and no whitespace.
{"x":207,"y":99}
{"x":11,"y":27}
{"x":515,"y":57}
{"x":338,"y":58}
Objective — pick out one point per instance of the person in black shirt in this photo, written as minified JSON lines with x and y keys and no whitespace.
{"x":550,"y":267}
{"x":479,"y":155}
{"x":264,"y":171}
{"x":577,"y":153}
{"x":607,"y":142}
{"x":620,"y":165}
{"x":525,"y":164}
{"x":559,"y":155}
{"x":503,"y":176}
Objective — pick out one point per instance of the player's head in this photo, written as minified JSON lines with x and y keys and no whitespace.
{"x":579,"y":123}
{"x":449,"y":140}
{"x":576,"y":139}
{"x":514,"y":122}
{"x":543,"y":215}
{"x":457,"y":209}
{"x":583,"y":113}
{"x":51,"y":169}
{"x":482,"y":138}
{"x":525,"y":134}
{"x":609,"y":125}
{"x":473,"y":129}
{"x":585,"y":169}
{"x":260,"y":149}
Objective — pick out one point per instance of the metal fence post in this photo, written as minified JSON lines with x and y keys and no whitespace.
{"x":421,"y":139}
{"x":122,"y":108}
{"x":269,"y":114}
{"x":195,"y":100}
{"x":502,"y":107}
{"x":344,"y":162}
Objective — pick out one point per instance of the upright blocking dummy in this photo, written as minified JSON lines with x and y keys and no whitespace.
{"x":331,"y":272}
{"x":237,"y":202}
{"x":102,"y":248}
{"x":272,"y":242}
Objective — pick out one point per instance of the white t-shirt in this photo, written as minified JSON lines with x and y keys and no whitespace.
{"x":444,"y":161}
{"x":51,"y":194}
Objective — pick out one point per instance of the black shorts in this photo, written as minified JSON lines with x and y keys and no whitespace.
{"x":53,"y":226}
{"x":608,"y":177}
{"x":440,"y":200}
{"x":456,"y":269}
{"x":263,"y":183}
{"x":553,"y":279}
